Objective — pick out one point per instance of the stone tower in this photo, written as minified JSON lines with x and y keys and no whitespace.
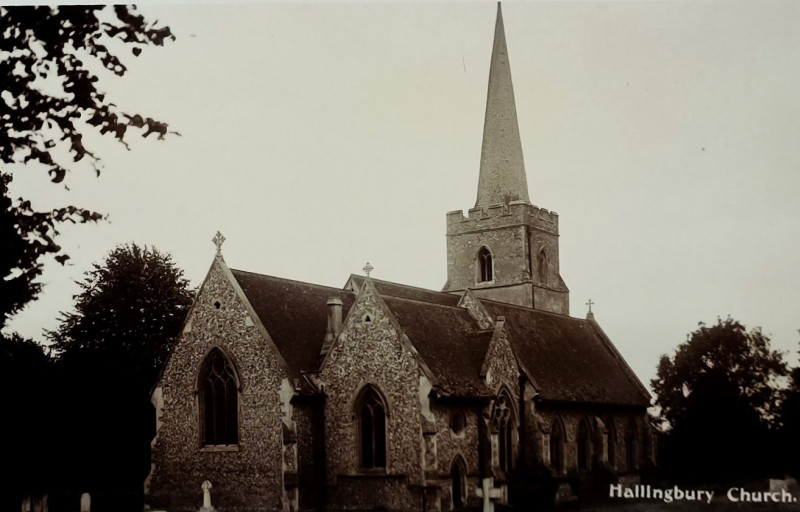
{"x":505,"y":249}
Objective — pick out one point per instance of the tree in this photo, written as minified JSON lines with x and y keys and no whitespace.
{"x":129,"y":311}
{"x":49,"y":101}
{"x":718,"y":396}
{"x":110,"y":350}
{"x":25,"y":375}
{"x":790,"y":424}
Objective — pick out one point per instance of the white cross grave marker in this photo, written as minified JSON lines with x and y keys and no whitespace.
{"x":206,"y":497}
{"x":490,"y":494}
{"x":86,"y":502}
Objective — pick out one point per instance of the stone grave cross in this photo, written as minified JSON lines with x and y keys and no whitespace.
{"x":206,"y":497}
{"x":490,"y":494}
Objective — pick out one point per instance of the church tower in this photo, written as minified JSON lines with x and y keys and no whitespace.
{"x":505,"y":248}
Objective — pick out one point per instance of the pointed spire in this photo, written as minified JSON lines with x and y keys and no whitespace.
{"x":502,"y":172}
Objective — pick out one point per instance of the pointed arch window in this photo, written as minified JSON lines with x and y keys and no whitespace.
{"x":485,"y":266}
{"x":218,"y":390}
{"x":557,"y":437}
{"x":584,"y":440}
{"x":541,"y":266}
{"x":371,"y":417}
{"x":631,"y":450}
{"x":503,"y":420}
{"x":612,"y":442}
{"x":458,"y":475}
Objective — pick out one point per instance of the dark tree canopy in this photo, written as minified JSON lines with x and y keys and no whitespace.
{"x":727,"y":349}
{"x":129,"y":311}
{"x":25,"y":375}
{"x":49,"y":57}
{"x":719,"y":394}
{"x":790,"y":424}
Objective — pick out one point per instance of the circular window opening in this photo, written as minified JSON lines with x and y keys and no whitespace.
{"x":458,"y":422}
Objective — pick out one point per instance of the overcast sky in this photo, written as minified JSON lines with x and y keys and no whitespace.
{"x":318,"y":137}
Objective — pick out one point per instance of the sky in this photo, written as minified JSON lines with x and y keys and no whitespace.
{"x":318,"y":137}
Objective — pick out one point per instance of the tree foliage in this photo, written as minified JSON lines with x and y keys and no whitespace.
{"x":49,"y":58}
{"x":726,"y":351}
{"x":719,"y":395}
{"x":110,"y":350}
{"x":129,"y":311}
{"x":790,"y":423}
{"x":25,"y":375}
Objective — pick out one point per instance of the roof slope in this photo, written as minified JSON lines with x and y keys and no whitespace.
{"x":386,"y":288}
{"x":294,"y":313}
{"x":569,"y":358}
{"x":447,"y":340}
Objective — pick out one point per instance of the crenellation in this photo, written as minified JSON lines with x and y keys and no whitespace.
{"x":497,"y":216}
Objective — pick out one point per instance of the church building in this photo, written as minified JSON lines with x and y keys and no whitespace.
{"x":285,"y":395}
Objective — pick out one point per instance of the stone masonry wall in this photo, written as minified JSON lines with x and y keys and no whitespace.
{"x":244,"y":477}
{"x":509,"y":256}
{"x":571,"y":420}
{"x":369,"y":350}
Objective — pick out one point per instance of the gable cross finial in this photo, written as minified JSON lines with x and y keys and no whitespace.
{"x":590,"y":315}
{"x":368,"y":268}
{"x":218,"y":240}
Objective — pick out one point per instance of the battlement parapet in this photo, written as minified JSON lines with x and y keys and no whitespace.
{"x":501,"y":215}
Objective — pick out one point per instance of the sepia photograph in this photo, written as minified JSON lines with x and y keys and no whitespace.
{"x":401,"y":256}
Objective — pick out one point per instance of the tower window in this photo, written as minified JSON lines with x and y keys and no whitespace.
{"x":485,"y":266}
{"x":219,"y":400}
{"x":541,"y":266}
{"x":371,"y":412}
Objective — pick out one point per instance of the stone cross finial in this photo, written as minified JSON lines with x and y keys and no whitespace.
{"x":218,"y":240}
{"x":589,"y":314}
{"x":368,"y":268}
{"x":590,"y":305}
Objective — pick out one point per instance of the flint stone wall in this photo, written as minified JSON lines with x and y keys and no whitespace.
{"x":371,"y":352}
{"x":244,"y":477}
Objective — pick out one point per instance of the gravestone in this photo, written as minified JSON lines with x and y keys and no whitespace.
{"x":86,"y":502}
{"x":207,"y":507}
{"x":491,"y":494}
{"x":26,"y":504}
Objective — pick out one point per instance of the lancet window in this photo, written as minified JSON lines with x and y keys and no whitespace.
{"x":371,"y":413}
{"x":218,"y":390}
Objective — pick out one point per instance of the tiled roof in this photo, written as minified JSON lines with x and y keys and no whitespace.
{"x":568,"y":358}
{"x":447,"y":340}
{"x":386,"y":288}
{"x":294,"y":313}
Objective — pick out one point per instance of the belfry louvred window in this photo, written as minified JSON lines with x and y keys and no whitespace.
{"x":219,"y":400}
{"x":371,"y":412}
{"x":485,"y":266}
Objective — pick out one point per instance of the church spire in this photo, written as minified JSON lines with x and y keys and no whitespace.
{"x":502,"y":171}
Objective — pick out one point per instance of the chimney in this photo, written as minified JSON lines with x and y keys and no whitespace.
{"x":334,"y":321}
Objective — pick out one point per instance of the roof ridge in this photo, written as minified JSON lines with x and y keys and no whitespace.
{"x":405,"y":285}
{"x":526,"y":308}
{"x":393,"y":297}
{"x":296,"y":281}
